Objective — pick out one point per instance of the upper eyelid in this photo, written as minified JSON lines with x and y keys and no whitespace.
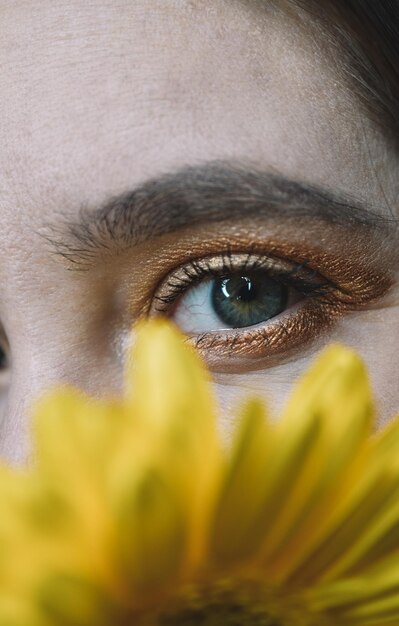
{"x":356,"y":275}
{"x":287,"y":271}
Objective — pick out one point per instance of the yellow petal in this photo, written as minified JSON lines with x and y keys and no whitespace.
{"x":150,"y":533}
{"x":167,"y":383}
{"x":120,"y":515}
{"x":360,"y":524}
{"x":238,"y":523}
{"x":76,"y":440}
{"x":324,"y":427}
{"x":72,"y":600}
{"x":169,"y":392}
{"x":369,"y":598}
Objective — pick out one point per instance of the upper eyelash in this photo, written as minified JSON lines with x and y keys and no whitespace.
{"x":314,"y":284}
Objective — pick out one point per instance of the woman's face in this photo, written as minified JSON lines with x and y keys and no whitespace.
{"x":282,"y":227}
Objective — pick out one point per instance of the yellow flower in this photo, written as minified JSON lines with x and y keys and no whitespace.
{"x":135,"y":513}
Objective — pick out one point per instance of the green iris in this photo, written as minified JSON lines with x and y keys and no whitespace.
{"x":242,"y":300}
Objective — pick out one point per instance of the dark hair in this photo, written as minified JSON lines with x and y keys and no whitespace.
{"x":368,"y":32}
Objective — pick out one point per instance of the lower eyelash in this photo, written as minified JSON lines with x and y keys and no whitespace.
{"x":269,"y":343}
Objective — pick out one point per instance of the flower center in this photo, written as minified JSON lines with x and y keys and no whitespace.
{"x":214,"y":615}
{"x":224,"y":605}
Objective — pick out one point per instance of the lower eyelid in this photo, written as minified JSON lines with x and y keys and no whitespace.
{"x":270,"y":343}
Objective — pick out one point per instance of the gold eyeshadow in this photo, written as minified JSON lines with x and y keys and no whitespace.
{"x":347,"y":269}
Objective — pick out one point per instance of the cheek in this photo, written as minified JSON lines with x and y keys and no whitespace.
{"x":375,"y":335}
{"x":273,"y":385}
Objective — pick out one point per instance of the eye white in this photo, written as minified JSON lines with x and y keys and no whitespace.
{"x":195,"y":313}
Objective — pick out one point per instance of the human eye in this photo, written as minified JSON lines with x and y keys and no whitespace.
{"x":247,"y":304}
{"x":5,"y":370}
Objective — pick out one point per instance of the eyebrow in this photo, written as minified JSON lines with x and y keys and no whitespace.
{"x":214,"y":192}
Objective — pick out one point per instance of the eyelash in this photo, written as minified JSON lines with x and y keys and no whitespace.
{"x":317,"y":309}
{"x":198,"y":270}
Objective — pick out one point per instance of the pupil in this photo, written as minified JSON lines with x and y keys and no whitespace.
{"x":241,"y":288}
{"x":245,"y":300}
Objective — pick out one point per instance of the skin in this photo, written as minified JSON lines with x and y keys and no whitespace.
{"x":100,"y":96}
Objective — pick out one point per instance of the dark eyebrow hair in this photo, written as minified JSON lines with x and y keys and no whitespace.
{"x":214,"y":192}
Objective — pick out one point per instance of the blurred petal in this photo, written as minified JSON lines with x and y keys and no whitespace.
{"x":150,"y":532}
{"x":322,"y":432}
{"x":169,"y":391}
{"x":238,"y":523}
{"x":134,"y":513}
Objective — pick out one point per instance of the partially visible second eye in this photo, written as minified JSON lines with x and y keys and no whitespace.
{"x":3,"y":359}
{"x":239,"y":299}
{"x":5,"y":373}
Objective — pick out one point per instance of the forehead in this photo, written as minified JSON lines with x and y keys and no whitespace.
{"x":98,"y":96}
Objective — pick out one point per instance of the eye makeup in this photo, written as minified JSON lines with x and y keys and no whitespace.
{"x":313,"y":305}
{"x":325,"y":284}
